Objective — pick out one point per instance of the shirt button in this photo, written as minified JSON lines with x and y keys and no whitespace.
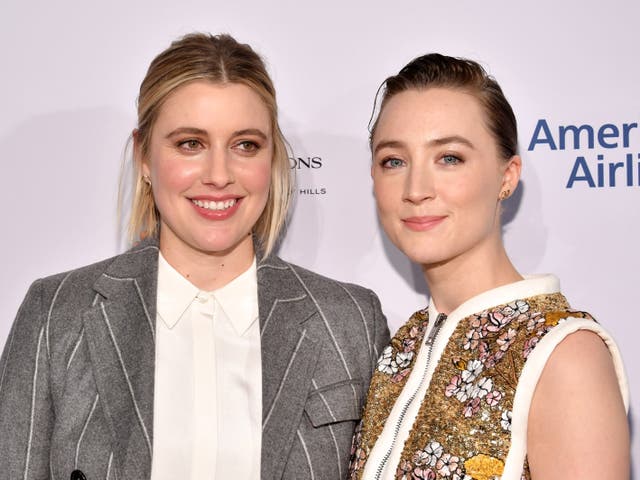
{"x":202,"y":297}
{"x":77,"y":475}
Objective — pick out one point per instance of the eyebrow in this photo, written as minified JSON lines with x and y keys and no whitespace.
{"x":188,"y":130}
{"x":450,"y":139}
{"x":250,"y":131}
{"x":198,"y":131}
{"x":434,"y":142}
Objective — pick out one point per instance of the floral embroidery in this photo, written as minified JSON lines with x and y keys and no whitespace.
{"x":406,"y":471}
{"x":505,"y":421}
{"x":469,"y":392}
{"x":447,"y":464}
{"x":358,"y":456}
{"x":433,"y":452}
{"x":493,"y":398}
{"x":397,"y":362}
{"x":466,"y":419}
{"x":392,"y":368}
{"x":432,"y":462}
{"x":490,"y":338}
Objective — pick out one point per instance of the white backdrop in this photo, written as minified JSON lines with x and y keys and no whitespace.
{"x":71,"y":69}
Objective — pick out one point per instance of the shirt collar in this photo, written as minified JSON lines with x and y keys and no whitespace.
{"x":175,"y":293}
{"x":239,"y":299}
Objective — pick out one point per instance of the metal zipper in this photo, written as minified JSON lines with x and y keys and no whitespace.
{"x":433,"y":334}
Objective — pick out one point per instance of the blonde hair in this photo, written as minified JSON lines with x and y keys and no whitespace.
{"x":218,"y":59}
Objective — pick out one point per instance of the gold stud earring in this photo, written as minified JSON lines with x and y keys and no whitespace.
{"x":505,"y":194}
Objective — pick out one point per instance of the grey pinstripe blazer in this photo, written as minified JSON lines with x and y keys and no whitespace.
{"x":77,"y":372}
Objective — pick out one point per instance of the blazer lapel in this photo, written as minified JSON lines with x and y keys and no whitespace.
{"x":120,"y":330}
{"x":289,"y":354}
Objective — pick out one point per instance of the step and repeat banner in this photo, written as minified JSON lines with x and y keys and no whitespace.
{"x":68,"y":89}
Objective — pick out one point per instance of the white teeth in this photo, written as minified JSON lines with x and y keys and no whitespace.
{"x":222,"y":205}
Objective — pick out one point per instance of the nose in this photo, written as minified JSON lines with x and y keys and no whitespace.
{"x":217,"y":169}
{"x":419,"y":185}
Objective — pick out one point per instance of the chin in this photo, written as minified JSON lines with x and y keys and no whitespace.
{"x":219,"y":246}
{"x":209,"y":242}
{"x":426,"y":256}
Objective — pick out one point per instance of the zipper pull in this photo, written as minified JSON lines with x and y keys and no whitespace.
{"x":439,"y":320}
{"x":436,"y":327}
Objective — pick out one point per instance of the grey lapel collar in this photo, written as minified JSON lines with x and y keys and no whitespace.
{"x":289,"y":354}
{"x":120,"y":330}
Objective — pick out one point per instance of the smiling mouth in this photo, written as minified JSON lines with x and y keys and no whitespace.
{"x":215,"y":206}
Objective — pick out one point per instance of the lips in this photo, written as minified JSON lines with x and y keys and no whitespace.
{"x":216,"y":208}
{"x":213,"y":205}
{"x":423,"y":223}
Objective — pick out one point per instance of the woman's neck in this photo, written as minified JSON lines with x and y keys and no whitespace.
{"x":455,"y":281}
{"x":209,"y":271}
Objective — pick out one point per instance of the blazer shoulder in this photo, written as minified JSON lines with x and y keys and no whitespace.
{"x":83,"y":278}
{"x":326,"y":288}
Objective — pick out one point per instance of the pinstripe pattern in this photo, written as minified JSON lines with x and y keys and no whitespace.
{"x":333,"y":435}
{"x":306,"y":453}
{"x":118,"y":279}
{"x":126,"y":376}
{"x":343,"y":325}
{"x":85,"y":332}
{"x":109,"y":466}
{"x":146,"y":310}
{"x":324,"y":400}
{"x":273,"y":307}
{"x":80,"y":337}
{"x":335,"y":444}
{"x":140,"y":296}
{"x":84,"y":429}
{"x":274,"y":267}
{"x":55,"y":297}
{"x":326,"y":323}
{"x":376,"y":354}
{"x":329,"y":330}
{"x":364,"y":322}
{"x":75,"y":348}
{"x":284,"y":378}
{"x":33,"y":405}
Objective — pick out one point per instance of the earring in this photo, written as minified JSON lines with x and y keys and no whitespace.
{"x":505,"y":194}
{"x":146,"y":179}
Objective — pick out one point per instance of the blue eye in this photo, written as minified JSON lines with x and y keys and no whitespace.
{"x":451,"y":160}
{"x":392,"y":163}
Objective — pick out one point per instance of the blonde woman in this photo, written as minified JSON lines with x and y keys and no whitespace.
{"x":198,"y":353}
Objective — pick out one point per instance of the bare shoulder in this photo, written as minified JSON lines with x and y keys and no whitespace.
{"x":577,"y":424}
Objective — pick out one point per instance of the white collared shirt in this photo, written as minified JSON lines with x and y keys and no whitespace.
{"x":208,"y":380}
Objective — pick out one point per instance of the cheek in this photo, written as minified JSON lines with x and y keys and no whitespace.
{"x":173,"y":175}
{"x":256,"y":178}
{"x":476,"y":202}
{"x":388,"y":193}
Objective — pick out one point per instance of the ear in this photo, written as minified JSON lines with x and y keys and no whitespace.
{"x":138,"y":159}
{"x":511,"y":174}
